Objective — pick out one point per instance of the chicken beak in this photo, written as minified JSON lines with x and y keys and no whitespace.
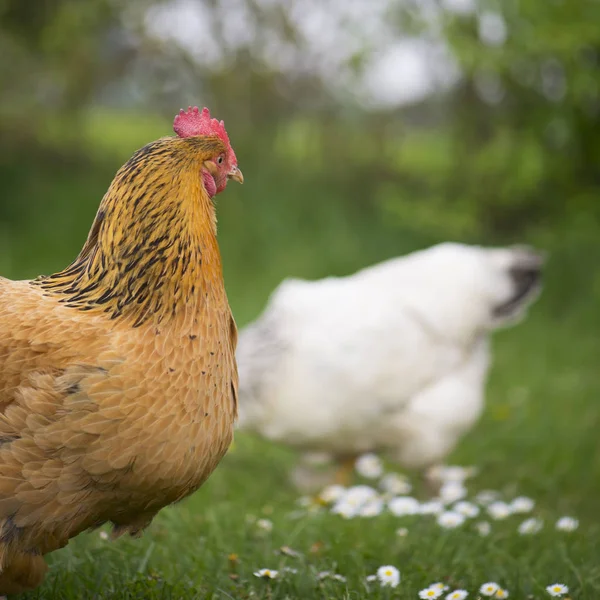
{"x":235,"y":174}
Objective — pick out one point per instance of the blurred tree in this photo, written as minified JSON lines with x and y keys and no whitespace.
{"x":521,"y":131}
{"x":506,"y":144}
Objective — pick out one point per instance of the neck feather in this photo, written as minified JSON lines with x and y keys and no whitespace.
{"x":152,"y":251}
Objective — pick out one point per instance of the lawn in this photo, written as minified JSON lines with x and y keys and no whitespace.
{"x":538,"y":438}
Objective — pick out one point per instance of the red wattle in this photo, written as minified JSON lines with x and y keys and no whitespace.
{"x":210,"y":184}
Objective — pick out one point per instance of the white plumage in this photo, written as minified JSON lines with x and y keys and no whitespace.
{"x":393,"y":358}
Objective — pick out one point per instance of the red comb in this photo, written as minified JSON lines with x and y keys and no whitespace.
{"x":194,"y":122}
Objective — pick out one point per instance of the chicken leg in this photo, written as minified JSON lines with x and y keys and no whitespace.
{"x":343,"y":475}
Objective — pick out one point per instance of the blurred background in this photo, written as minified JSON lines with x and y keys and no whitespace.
{"x":364,"y":130}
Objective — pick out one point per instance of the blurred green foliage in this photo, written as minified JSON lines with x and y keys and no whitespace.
{"x":509,"y":153}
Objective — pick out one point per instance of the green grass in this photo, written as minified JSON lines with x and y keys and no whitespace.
{"x":538,"y":437}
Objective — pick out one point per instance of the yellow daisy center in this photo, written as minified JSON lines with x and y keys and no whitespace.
{"x":387,"y":573}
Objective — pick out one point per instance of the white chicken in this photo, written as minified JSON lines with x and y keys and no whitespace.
{"x":390,"y":359}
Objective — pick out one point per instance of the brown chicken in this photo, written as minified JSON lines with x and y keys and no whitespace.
{"x":118,"y":382}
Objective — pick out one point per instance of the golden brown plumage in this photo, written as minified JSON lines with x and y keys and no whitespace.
{"x":117,"y":375}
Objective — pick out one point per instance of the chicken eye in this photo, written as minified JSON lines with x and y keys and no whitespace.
{"x":220,"y":160}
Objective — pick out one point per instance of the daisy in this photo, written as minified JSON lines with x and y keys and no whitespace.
{"x":489,"y":589}
{"x":345,"y":509}
{"x":467,"y":509}
{"x":457,"y":595}
{"x":395,"y":484}
{"x":557,"y":589}
{"x":329,"y":575}
{"x":265,"y":525}
{"x":332,"y":493}
{"x":402,"y":532}
{"x":486,"y":497}
{"x":401,"y":506}
{"x":439,"y":586}
{"x":502,"y":593}
{"x":450,"y":519}
{"x":452,"y":491}
{"x":359,"y":494}
{"x":266,"y":573}
{"x":522,"y":504}
{"x":530,"y":526}
{"x":499,"y":510}
{"x":287,"y":551}
{"x":430,"y":592}
{"x":289,"y":570}
{"x":369,"y":466}
{"x":451,"y":473}
{"x":304,"y":501}
{"x":433,"y":507}
{"x":567,"y":524}
{"x":103,"y":535}
{"x":483,"y":528}
{"x":388,"y":576}
{"x":372,"y":508}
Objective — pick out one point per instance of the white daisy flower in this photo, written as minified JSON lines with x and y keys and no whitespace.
{"x":489,"y":589}
{"x":567,"y":524}
{"x":432,"y":507}
{"x":467,"y":509}
{"x":522,"y":504}
{"x":395,"y":484}
{"x":290,"y":570}
{"x":452,"y":491}
{"x":530,"y":526}
{"x":287,"y":551}
{"x":332,"y":493}
{"x":557,"y":589}
{"x":345,"y":509}
{"x":483,"y":528}
{"x":369,"y":466}
{"x":372,"y":508}
{"x":264,"y":524}
{"x":499,"y":510}
{"x":266,"y":573}
{"x":451,"y":473}
{"x":457,"y":595}
{"x":305,"y":501}
{"x":501,"y":593}
{"x":388,"y":576}
{"x":371,"y":578}
{"x":439,"y":586}
{"x":359,"y":494}
{"x":486,"y":497}
{"x":103,"y":535}
{"x":329,"y":575}
{"x":450,"y":519}
{"x":430,"y":592}
{"x":401,"y":506}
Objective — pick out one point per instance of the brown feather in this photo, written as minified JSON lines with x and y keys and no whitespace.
{"x":117,"y":374}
